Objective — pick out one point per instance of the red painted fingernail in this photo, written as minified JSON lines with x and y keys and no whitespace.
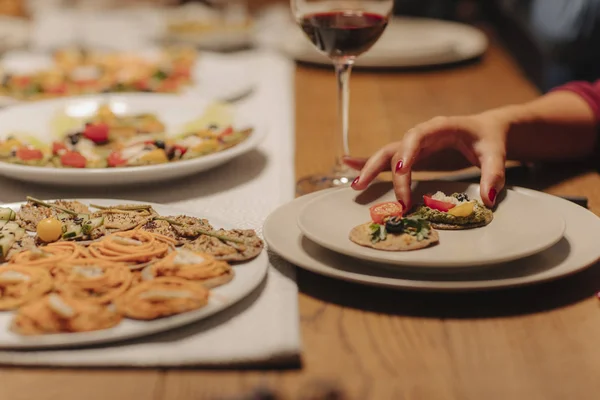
{"x":402,"y":204}
{"x":355,"y":181}
{"x":492,"y":194}
{"x":399,"y":166}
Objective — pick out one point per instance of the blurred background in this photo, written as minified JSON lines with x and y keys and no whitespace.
{"x":554,"y":41}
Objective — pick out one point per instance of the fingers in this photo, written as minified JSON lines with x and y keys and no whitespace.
{"x":492,"y":173}
{"x":432,"y":135}
{"x":374,"y":165}
{"x":355,"y":162}
{"x":401,"y":183}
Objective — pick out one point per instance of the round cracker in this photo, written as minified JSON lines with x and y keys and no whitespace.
{"x":488,"y":214}
{"x":361,"y":235}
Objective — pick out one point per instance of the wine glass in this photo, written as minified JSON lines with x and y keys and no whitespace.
{"x":342,"y":30}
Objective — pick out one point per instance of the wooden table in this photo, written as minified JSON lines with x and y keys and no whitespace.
{"x":533,"y":343}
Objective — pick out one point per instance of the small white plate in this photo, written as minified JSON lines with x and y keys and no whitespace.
{"x":522,"y":226}
{"x":406,"y":42}
{"x":248,"y":277}
{"x":174,"y":111}
{"x":575,"y":252}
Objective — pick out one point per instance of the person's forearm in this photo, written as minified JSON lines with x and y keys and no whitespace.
{"x":558,"y":126}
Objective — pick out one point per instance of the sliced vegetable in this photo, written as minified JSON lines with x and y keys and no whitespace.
{"x":7,"y":214}
{"x":89,"y":225}
{"x":58,"y":148}
{"x":463,"y":210}
{"x":379,"y":212}
{"x":27,"y":154}
{"x":437,"y":204}
{"x":115,"y":159}
{"x":73,"y":231}
{"x":9,"y":234}
{"x":97,"y":133}
{"x":73,"y":159}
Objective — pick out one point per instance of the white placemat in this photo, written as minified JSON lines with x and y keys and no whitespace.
{"x":261,"y":329}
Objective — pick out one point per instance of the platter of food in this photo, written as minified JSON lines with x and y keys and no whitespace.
{"x":122,"y":138}
{"x":577,"y":250}
{"x":445,"y":229}
{"x":28,"y":76}
{"x":203,"y":26}
{"x":75,"y":272}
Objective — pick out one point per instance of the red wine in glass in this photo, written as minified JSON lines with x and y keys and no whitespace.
{"x":343,"y":33}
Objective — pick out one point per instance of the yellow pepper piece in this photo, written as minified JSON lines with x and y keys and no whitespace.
{"x":156,"y":156}
{"x":464,"y":210}
{"x":208,"y":146}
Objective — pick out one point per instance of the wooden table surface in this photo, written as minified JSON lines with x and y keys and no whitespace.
{"x":541,"y":342}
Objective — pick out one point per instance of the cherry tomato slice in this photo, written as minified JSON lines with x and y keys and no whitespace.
{"x":58,"y":147}
{"x":97,"y":133}
{"x":115,"y":159}
{"x":379,"y":212}
{"x":73,"y":159}
{"x":21,"y":81}
{"x":27,"y":154}
{"x":226,"y":132}
{"x":439,"y":205}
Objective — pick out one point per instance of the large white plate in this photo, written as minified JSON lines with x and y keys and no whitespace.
{"x":219,"y":76}
{"x":247,"y":277}
{"x":576,"y":251}
{"x":522,"y":226}
{"x":406,"y":42}
{"x":175,"y":111}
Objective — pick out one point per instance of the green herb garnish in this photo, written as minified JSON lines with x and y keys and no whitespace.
{"x":160,"y":75}
{"x":378,"y":233}
{"x":418,"y":227}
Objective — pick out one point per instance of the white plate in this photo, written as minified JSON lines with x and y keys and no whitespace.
{"x":174,"y":111}
{"x":219,"y":76}
{"x":406,"y":42}
{"x":247,"y":277}
{"x":219,"y":41}
{"x":522,"y":226}
{"x":576,"y":251}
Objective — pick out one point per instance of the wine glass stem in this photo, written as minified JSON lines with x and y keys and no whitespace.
{"x":342,"y":73}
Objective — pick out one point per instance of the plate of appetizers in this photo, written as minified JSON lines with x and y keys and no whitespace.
{"x":205,"y":27}
{"x":122,"y":138}
{"x":447,"y":228}
{"x":76,"y":272}
{"x":576,"y":251}
{"x":28,"y":76}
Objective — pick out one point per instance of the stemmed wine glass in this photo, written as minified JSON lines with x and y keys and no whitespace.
{"x":342,"y":30}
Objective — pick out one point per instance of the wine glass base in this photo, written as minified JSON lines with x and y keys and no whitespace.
{"x":313,"y":183}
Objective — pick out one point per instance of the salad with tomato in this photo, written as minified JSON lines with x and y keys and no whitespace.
{"x":109,"y":140}
{"x":76,"y":72}
{"x":456,"y":211}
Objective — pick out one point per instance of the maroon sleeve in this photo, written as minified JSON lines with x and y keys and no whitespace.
{"x":590,"y":92}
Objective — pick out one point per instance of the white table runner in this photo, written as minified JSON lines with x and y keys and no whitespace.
{"x":264,"y":327}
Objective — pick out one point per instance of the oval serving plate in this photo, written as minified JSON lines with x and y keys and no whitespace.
{"x":248,"y":277}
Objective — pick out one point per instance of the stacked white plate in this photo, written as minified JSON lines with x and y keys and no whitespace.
{"x":534,"y":237}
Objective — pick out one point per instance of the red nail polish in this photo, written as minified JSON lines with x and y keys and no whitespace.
{"x":399,"y":166}
{"x":355,"y":181}
{"x":402,"y":204}
{"x":492,"y":194}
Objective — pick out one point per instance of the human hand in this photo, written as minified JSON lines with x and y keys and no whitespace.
{"x":481,"y":138}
